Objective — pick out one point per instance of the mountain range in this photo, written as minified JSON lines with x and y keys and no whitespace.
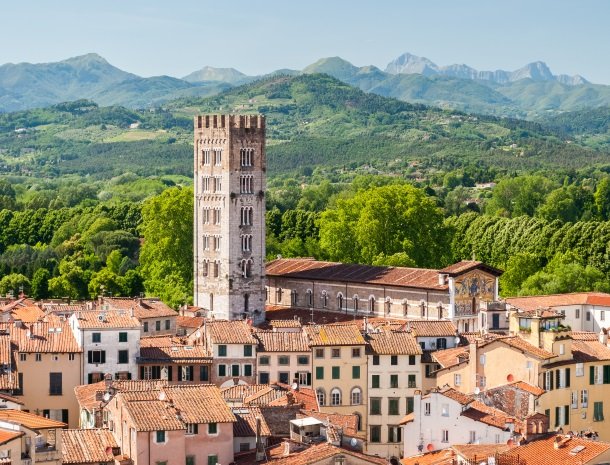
{"x":529,"y":92}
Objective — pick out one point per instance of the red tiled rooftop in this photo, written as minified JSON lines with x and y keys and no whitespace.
{"x":543,"y":452}
{"x":557,"y":300}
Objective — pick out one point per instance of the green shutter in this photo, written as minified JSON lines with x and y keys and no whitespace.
{"x":566,"y":411}
{"x":606,"y":374}
{"x":355,"y":372}
{"x":591,"y":375}
{"x":410,"y":405}
{"x":551,"y":377}
{"x":557,"y":378}
{"x":567,"y":377}
{"x":336,"y":372}
{"x":319,"y":372}
{"x":375,"y":381}
{"x":557,"y":416}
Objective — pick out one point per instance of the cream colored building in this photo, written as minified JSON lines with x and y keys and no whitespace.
{"x":339,"y":367}
{"x":283,"y":356}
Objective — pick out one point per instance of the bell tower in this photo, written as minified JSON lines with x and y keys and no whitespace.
{"x":229,"y":216}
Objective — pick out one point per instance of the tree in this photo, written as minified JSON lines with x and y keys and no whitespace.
{"x":384,"y":221}
{"x":519,"y":196}
{"x":567,"y":204}
{"x":602,"y":198}
{"x":40,"y":284}
{"x":518,"y":268}
{"x":166,"y":258}
{"x":14,"y":283}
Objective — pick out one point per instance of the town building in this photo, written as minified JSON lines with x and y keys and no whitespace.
{"x":456,"y":292}
{"x":250,"y":426}
{"x":283,"y":356}
{"x":89,"y":447}
{"x":110,"y":341}
{"x":155,"y":317}
{"x":394,"y":375}
{"x":233,"y":350}
{"x":229,"y":216}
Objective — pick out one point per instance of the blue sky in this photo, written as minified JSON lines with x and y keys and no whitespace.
{"x":177,"y":37}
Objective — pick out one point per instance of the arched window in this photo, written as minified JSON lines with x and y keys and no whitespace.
{"x":422,"y":306}
{"x":321,"y":397}
{"x":372,"y":304}
{"x":216,"y":269}
{"x":388,"y":305}
{"x":335,"y":396}
{"x":293,"y":297}
{"x":211,"y":302}
{"x":324,"y":299}
{"x":309,"y":298}
{"x":339,"y":301}
{"x":356,"y":397}
{"x":279,"y":293}
{"x":405,"y":307}
{"x":355,"y":298}
{"x":204,"y":267}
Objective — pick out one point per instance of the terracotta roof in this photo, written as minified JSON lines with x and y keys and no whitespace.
{"x":239,"y":392}
{"x":589,"y":351}
{"x":245,"y":426}
{"x":348,"y":423}
{"x":87,"y":446}
{"x":467,"y":265}
{"x":438,"y":457}
{"x":285,"y":323}
{"x":432,"y":328}
{"x":97,"y":319}
{"x":153,"y":415}
{"x":393,"y":343}
{"x":281,"y":312}
{"x":558,"y":300}
{"x":543,"y":452}
{"x":171,"y":349}
{"x":51,"y":307}
{"x":524,"y":346}
{"x":458,"y":396}
{"x":7,"y":436}
{"x":281,"y":341}
{"x":12,"y":399}
{"x":308,"y":268}
{"x":334,"y":335}
{"x":89,"y":396}
{"x":54,"y":336}
{"x":229,"y":332}
{"x":266,"y":396}
{"x":450,"y":357}
{"x":142,"y":308}
{"x":307,"y":398}
{"x":535,"y":390}
{"x":541,"y":313}
{"x":189,"y":321}
{"x":11,"y":304}
{"x":199,"y":403}
{"x":278,"y":418}
{"x":29,"y":420}
{"x":27,"y":314}
{"x":408,"y":418}
{"x":584,"y":336}
{"x":478,"y":411}
{"x":472,"y":451}
{"x":317,"y":453}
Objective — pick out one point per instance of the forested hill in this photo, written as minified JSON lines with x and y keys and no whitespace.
{"x":313,"y":120}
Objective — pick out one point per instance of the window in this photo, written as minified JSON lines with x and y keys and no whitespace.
{"x":284,"y":377}
{"x":185,"y":373}
{"x":441,"y":343}
{"x":427,"y":408}
{"x":96,"y":337}
{"x":355,"y":372}
{"x":38,"y":357}
{"x":206,"y":157}
{"x":375,"y":407}
{"x":96,"y":356}
{"x":473,"y":437}
{"x":190,"y":459}
{"x":222,"y":350}
{"x":302,"y":360}
{"x":412,"y":383}
{"x":335,"y":353}
{"x":580,"y":369}
{"x":457,"y":379}
{"x":336,"y":372}
{"x":222,"y":370}
{"x":235,"y":370}
{"x":577,"y":313}
{"x":248,"y":351}
{"x":375,"y":359}
{"x":218,"y":157}
{"x":588,"y":316}
{"x":23,"y":357}
{"x":445,"y":410}
{"x":356,"y":397}
{"x":562,"y":349}
{"x":263,"y":377}
{"x":168,"y":324}
{"x":158,"y":325}
{"x":574,"y":399}
{"x":304,"y":378}
{"x":482,"y":359}
{"x":355,"y":352}
{"x":393,"y":404}
{"x":246,"y":184}
{"x":602,"y":315}
{"x":319,"y":372}
{"x":71,"y":357}
{"x":394,"y":360}
{"x":123,"y":356}
{"x":321,"y":397}
{"x":192,"y":428}
{"x":212,"y":428}
{"x":204,"y":373}
{"x":410,"y":404}
{"x":246,"y":216}
{"x":160,"y":436}
{"x":248,"y":370}
{"x":212,"y":460}
{"x":55,"y":384}
{"x":598,"y":411}
{"x":335,"y":397}
{"x":445,"y":435}
{"x":394,"y":381}
{"x":263,"y":360}
{"x":245,"y":156}
{"x":375,"y":381}
{"x":584,"y":398}
{"x":283,"y":360}
{"x":411,"y":359}
{"x":394,"y":434}
{"x":376,"y":433}
{"x":146,"y":326}
{"x":122,"y":337}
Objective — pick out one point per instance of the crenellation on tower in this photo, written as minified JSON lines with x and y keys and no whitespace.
{"x":229,"y":216}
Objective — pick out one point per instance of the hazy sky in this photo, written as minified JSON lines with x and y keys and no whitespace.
{"x":149,"y":37}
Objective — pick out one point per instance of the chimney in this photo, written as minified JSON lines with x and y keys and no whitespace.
{"x":260,"y":447}
{"x":603,"y":336}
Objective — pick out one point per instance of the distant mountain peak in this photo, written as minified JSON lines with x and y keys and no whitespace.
{"x":209,"y":73}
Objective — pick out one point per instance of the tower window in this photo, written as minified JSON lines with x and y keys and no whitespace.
{"x":246,"y":184}
{"x":216,"y":269}
{"x":246,"y":157}
{"x":206,"y":157}
{"x":205,"y":183}
{"x":246,"y":268}
{"x":218,"y":157}
{"x":246,"y":216}
{"x":217,"y":216}
{"x":217,"y":243}
{"x":246,"y":242}
{"x":217,"y":183}
{"x":204,"y":267}
{"x":206,"y":215}
{"x":206,"y":242}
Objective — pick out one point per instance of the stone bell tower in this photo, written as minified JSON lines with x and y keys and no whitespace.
{"x":229,"y":216}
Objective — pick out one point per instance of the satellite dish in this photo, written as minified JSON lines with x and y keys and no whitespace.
{"x":430,"y":447}
{"x":162,"y":396}
{"x":457,"y":340}
{"x":198,"y":334}
{"x":477,"y":391}
{"x":353,"y":442}
{"x":509,"y":442}
{"x":294,"y":386}
{"x":106,"y":396}
{"x":510,"y":378}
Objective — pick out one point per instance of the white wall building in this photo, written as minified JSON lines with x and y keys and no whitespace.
{"x":110,"y":342}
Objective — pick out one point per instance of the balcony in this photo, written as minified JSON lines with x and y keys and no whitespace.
{"x":47,"y":454}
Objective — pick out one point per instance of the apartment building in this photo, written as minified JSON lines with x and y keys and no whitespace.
{"x":155,"y":316}
{"x":283,"y":356}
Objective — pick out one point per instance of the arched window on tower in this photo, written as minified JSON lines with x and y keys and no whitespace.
{"x":309,"y":298}
{"x":246,"y":303}
{"x":371,"y":304}
{"x":356,"y":300}
{"x":293,"y":297}
{"x":339,"y":301}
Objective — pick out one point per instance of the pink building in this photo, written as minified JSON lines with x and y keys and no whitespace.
{"x":173,"y":425}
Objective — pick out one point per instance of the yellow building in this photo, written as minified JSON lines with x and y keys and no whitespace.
{"x":339,"y":365}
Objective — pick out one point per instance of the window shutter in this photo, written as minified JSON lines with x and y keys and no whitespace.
{"x":64,"y":415}
{"x":90,"y":378}
{"x":129,"y":375}
{"x":591,"y":375}
{"x":567,"y":377}
{"x":557,"y":409}
{"x":141,"y":372}
{"x":103,"y":356}
{"x":551,"y":380}
{"x":90,"y":357}
{"x":566,"y":414}
{"x":169,"y":373}
{"x":606,"y":374}
{"x":179,"y":373}
{"x":557,"y":378}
